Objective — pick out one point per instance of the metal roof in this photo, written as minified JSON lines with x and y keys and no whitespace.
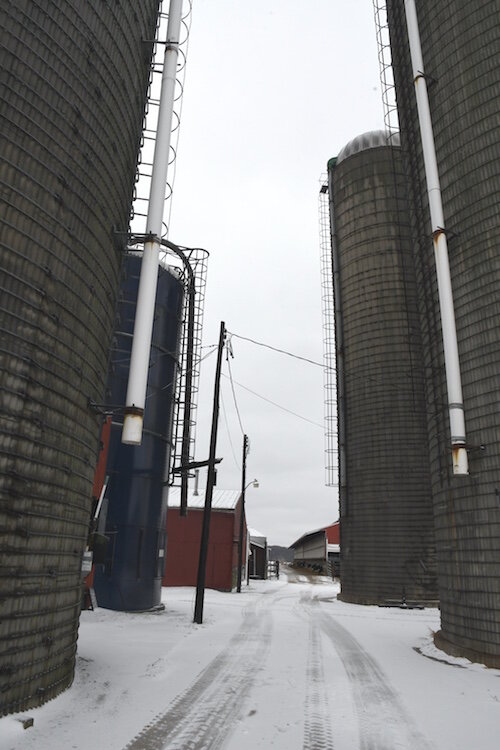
{"x":306,"y":535}
{"x":221,"y":499}
{"x":256,"y":538}
{"x":372,"y":139}
{"x":254,"y":532}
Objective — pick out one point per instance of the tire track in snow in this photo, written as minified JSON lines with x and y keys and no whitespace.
{"x":200,"y":717}
{"x":317,"y":726}
{"x":384,"y":723}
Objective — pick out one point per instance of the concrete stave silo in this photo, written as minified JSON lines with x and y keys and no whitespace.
{"x":387,"y":542}
{"x":460,"y":46}
{"x":72,"y":100}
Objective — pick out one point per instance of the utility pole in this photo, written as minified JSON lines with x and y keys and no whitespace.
{"x":242,"y":513}
{"x":202,"y":563}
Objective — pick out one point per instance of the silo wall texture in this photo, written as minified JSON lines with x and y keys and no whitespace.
{"x":136,"y":497}
{"x":386,"y":524}
{"x":72,"y":97}
{"x":461,"y":49}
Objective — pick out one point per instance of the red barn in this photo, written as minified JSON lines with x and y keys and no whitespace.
{"x":333,"y":533}
{"x":319,"y":549}
{"x":184,"y":534}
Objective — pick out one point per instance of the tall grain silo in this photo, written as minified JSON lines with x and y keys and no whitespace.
{"x":461,"y":47}
{"x":72,"y":99}
{"x":135,"y":502}
{"x":386,"y":524}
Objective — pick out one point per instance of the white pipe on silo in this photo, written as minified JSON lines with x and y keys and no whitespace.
{"x":452,"y":364}
{"x":339,"y":345}
{"x":143,"y":326}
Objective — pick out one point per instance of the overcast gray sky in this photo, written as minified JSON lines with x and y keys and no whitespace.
{"x":273,"y":89}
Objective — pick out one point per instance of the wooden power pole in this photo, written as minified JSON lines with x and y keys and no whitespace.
{"x":202,"y":563}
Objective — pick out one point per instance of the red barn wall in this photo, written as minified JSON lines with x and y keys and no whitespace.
{"x":333,"y":533}
{"x":237,"y":516}
{"x":183,"y":547}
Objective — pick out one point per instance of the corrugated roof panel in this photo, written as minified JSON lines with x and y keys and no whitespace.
{"x":254,"y":532}
{"x":221,"y":499}
{"x":257,"y":538}
{"x":305,"y":536}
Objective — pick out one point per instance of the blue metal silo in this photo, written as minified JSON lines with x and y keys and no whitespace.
{"x":135,"y":507}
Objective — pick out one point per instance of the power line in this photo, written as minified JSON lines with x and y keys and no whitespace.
{"x":227,"y":430}
{"x":283,"y":408}
{"x":229,"y":352}
{"x":282,"y":351}
{"x":163,"y":388}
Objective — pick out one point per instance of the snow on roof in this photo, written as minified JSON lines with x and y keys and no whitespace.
{"x":312,"y":533}
{"x":257,"y":538}
{"x":365,"y":141}
{"x":254,"y":532}
{"x":307,"y":534}
{"x":221,"y":499}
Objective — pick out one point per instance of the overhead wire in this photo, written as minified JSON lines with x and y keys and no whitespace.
{"x":229,"y":353}
{"x":303,"y":359}
{"x":281,"y":351}
{"x":283,"y":408}
{"x":228,"y":432}
{"x":169,"y":385}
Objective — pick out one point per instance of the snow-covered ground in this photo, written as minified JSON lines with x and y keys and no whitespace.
{"x":282,"y":665}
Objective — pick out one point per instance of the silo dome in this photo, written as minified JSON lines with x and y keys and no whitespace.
{"x":366,"y":141}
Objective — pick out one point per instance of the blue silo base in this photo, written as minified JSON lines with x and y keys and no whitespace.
{"x":127,"y":596}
